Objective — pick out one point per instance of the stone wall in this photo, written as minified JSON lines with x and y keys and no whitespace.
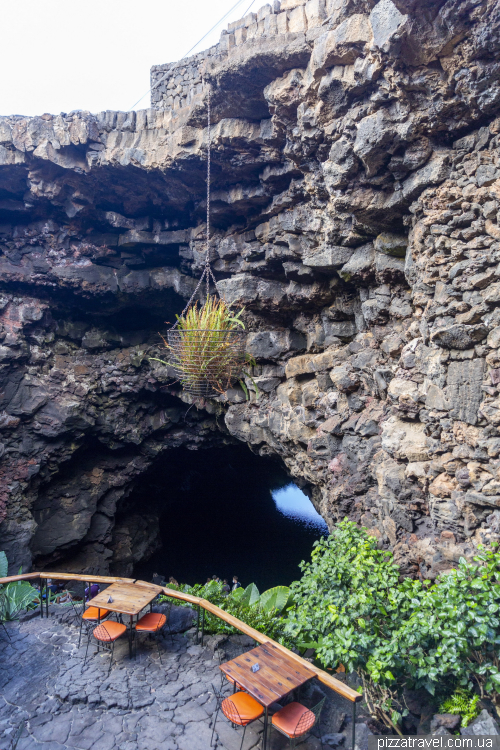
{"x":355,"y":216}
{"x":179,"y":84}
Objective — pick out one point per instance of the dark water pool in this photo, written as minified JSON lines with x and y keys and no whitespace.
{"x":227,"y":512}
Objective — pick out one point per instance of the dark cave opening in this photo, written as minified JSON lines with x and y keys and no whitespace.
{"x":216,"y":516}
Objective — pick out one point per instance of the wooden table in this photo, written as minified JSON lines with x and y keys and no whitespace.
{"x":277,"y":677}
{"x":128,"y":599}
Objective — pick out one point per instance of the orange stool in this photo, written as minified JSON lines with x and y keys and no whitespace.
{"x":153,"y":623}
{"x":106,"y":634}
{"x":234,"y":683}
{"x":240,"y":709}
{"x":91,"y":614}
{"x":295,"y":720}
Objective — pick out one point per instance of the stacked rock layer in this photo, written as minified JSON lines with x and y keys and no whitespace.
{"x":356,"y":196}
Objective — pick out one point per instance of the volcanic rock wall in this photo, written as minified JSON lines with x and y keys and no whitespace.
{"x":356,"y":190}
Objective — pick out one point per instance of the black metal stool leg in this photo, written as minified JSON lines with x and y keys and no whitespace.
{"x":213,"y":729}
{"x":158,"y":646}
{"x":111,"y":660}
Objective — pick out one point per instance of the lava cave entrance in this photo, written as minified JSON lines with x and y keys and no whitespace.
{"x":216,"y":516}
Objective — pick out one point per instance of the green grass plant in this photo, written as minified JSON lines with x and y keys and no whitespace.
{"x":203,"y":348}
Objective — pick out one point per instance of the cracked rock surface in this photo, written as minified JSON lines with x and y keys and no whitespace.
{"x":60,"y":703}
{"x":356,"y":197}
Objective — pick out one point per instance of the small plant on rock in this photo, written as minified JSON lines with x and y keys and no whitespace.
{"x":462,"y":702}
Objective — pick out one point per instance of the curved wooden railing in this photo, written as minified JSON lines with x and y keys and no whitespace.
{"x":336,"y":685}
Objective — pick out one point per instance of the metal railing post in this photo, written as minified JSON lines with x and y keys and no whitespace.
{"x":354,"y":726}
{"x":197,"y":624}
{"x":202,"y":626}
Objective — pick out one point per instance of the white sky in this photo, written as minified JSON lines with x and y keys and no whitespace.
{"x":60,"y":55}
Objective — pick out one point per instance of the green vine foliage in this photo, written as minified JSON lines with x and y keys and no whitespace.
{"x":462,"y":702}
{"x":452,"y":630}
{"x":347,"y":600}
{"x":352,"y":608}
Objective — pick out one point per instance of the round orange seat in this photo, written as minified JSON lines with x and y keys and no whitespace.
{"x":241,"y":709}
{"x":94,"y":613}
{"x":151,"y":622}
{"x":294,"y":719}
{"x":110,"y":631}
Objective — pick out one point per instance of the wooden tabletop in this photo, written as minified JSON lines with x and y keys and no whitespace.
{"x":150,"y":586}
{"x":278,"y":675}
{"x":128,"y":598}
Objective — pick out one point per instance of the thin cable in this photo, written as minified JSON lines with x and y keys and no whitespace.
{"x":207,"y":273}
{"x":244,"y":14}
{"x":188,"y":53}
{"x":207,"y":258}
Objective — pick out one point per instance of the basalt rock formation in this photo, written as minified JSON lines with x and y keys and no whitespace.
{"x":356,"y":190}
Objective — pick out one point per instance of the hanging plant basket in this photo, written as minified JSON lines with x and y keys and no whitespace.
{"x":206,"y":362}
{"x":206,"y":348}
{"x":206,"y":345}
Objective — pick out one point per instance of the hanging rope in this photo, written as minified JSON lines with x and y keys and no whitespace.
{"x":207,"y":270}
{"x":207,"y":359}
{"x":209,"y":148}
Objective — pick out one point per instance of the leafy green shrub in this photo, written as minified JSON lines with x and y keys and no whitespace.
{"x":351,"y":607}
{"x":462,"y":702}
{"x":259,"y":611}
{"x":452,"y":631}
{"x":347,"y":598}
{"x":14,"y":596}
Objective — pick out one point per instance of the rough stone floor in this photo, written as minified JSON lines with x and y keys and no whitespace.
{"x":142,"y":705}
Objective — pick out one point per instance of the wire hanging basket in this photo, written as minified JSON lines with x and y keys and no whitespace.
{"x":207,"y":361}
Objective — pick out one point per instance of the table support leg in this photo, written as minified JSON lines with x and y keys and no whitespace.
{"x":130,"y":637}
{"x":353,"y":726}
{"x":264,"y":743}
